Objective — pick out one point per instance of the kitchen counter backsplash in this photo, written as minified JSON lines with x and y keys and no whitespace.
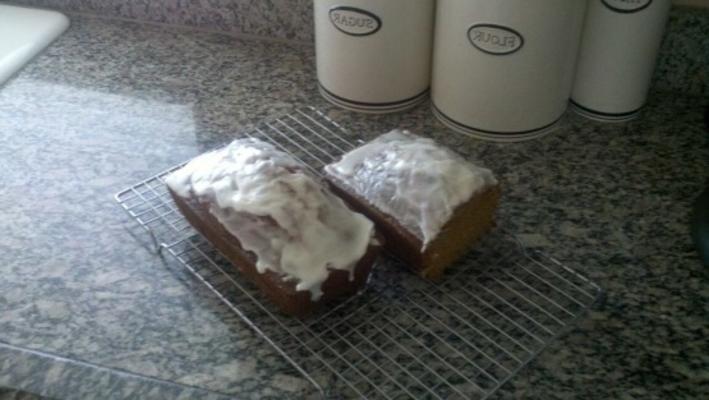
{"x":683,"y":64}
{"x":684,"y":57}
{"x":281,"y":19}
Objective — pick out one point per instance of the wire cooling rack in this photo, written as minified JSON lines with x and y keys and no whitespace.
{"x":403,"y":337}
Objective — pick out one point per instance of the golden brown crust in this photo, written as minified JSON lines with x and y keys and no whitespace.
{"x":469,"y":222}
{"x":282,"y":293}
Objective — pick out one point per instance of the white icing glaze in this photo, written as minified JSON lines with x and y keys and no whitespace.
{"x":411,"y":178}
{"x":294,"y":225}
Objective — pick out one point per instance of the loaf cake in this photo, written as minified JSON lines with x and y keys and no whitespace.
{"x":428,"y":203}
{"x":281,"y":227}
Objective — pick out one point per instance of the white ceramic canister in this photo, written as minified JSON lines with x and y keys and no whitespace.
{"x":619,"y":48}
{"x":503,"y":70}
{"x":374,"y":55}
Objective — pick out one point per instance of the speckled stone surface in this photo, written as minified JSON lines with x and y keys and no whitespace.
{"x":111,"y":103}
{"x":50,"y":376}
{"x":11,"y":394}
{"x":683,"y":65}
{"x":283,"y":19}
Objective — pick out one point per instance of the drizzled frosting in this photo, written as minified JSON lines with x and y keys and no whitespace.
{"x":411,"y":178}
{"x":295,"y":226}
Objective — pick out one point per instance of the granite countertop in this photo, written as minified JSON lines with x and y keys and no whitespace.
{"x":87,"y":312}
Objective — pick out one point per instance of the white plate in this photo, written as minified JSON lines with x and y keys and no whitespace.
{"x":24,"y":32}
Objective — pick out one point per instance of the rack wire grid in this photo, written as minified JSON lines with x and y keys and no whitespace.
{"x":403,"y":336}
